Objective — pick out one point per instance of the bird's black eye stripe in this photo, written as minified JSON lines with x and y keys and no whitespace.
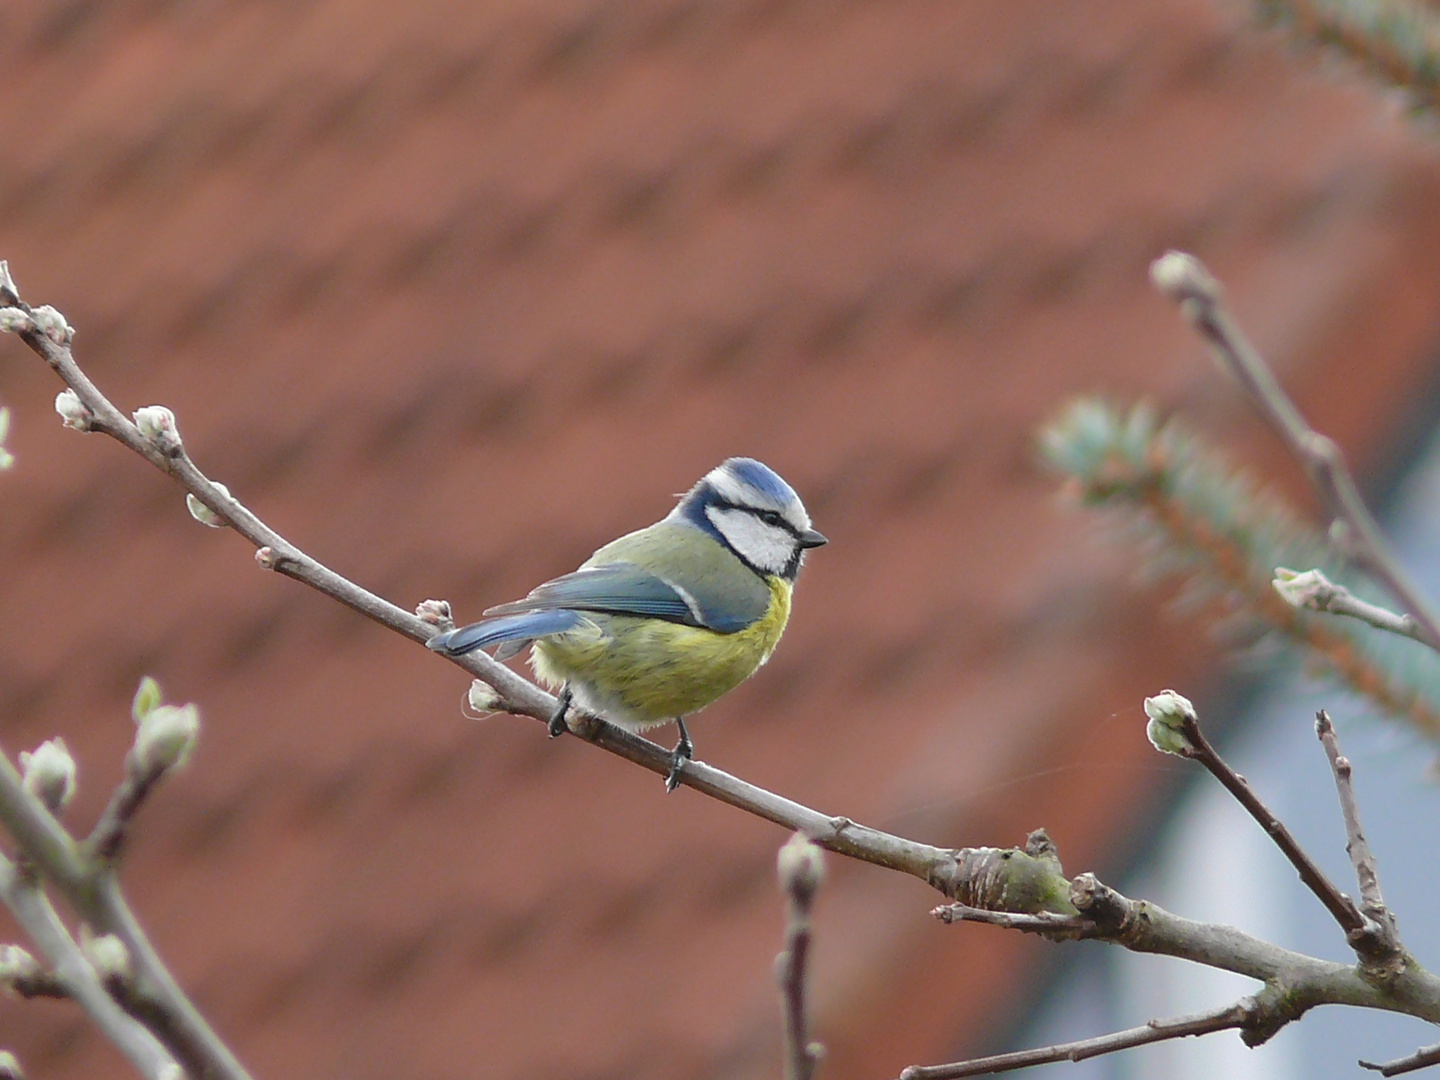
{"x":769,"y":517}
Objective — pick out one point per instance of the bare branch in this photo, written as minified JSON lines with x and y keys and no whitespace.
{"x":1185,"y":279}
{"x":1420,"y":1059}
{"x":516,"y":695}
{"x":802,"y":870}
{"x":988,"y":877}
{"x":108,"y":837}
{"x":32,"y":910}
{"x":1381,"y":941}
{"x":1312,"y":589}
{"x":1337,"y":903}
{"x":1232,"y":1016}
{"x":92,"y":889}
{"x":1046,"y":923}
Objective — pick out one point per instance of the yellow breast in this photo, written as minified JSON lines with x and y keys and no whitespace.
{"x":639,"y":672}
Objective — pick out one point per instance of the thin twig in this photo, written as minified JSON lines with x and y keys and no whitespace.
{"x":160,"y":1019}
{"x":1341,"y":601}
{"x":801,"y":873}
{"x":108,"y":837}
{"x":1337,"y":903}
{"x":42,"y":984}
{"x":33,"y":911}
{"x":1312,"y":589}
{"x":1185,"y":279}
{"x":1232,"y":1016}
{"x":1382,"y":936}
{"x":1048,"y":923}
{"x":91,"y":887}
{"x":1420,"y":1059}
{"x":1143,"y":927}
{"x":516,"y":695}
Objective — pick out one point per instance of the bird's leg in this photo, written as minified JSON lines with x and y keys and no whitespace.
{"x":684,"y":751}
{"x":562,"y":706}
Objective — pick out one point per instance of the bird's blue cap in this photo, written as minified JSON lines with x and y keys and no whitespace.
{"x":761,"y":477}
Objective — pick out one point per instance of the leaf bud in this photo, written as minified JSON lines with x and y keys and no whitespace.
{"x":202,"y":513}
{"x":16,"y":966}
{"x":156,"y":424}
{"x":1168,"y":712}
{"x":106,"y":952}
{"x":1301,"y":589}
{"x":166,"y":737}
{"x":801,"y":865}
{"x":73,"y":413}
{"x":52,"y":324}
{"x":49,"y":773}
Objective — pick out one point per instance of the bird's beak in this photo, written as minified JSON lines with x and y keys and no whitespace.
{"x":810,"y":538}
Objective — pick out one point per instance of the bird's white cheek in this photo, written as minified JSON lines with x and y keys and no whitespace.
{"x":768,"y":547}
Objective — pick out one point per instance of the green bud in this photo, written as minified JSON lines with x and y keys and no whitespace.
{"x":146,"y":698}
{"x":166,"y":737}
{"x":1168,"y":712}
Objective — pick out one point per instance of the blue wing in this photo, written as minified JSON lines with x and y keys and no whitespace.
{"x":612,"y":588}
{"x":619,"y":588}
{"x":511,"y":628}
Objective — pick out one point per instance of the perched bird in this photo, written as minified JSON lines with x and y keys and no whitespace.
{"x":659,"y":623}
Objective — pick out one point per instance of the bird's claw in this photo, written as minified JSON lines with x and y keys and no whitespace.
{"x":557,"y":718}
{"x":677,"y":766}
{"x":684,"y":751}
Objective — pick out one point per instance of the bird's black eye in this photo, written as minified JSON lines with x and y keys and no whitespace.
{"x":770,"y":517}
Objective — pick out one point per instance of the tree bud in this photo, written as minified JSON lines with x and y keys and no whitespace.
{"x":147,"y":696}
{"x":166,"y":737}
{"x":49,"y":773}
{"x":52,"y":324}
{"x":16,"y":965}
{"x":203,"y":514}
{"x":106,"y":952}
{"x":801,"y":865}
{"x":156,"y":424}
{"x":73,"y":413}
{"x":1168,"y":712}
{"x":1301,"y":589}
{"x":483,"y":698}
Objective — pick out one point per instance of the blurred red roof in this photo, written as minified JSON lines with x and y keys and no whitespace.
{"x":453,"y":293}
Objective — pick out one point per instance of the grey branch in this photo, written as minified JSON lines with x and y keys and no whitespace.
{"x":1420,"y":1059}
{"x":108,"y":837}
{"x":1381,"y":939}
{"x":1293,"y":982}
{"x":33,"y":911}
{"x":1046,"y":923}
{"x":1232,"y":1016}
{"x":90,"y":886}
{"x":516,"y":695}
{"x":801,"y":872}
{"x":1312,"y":589}
{"x":1351,"y":920}
{"x":972,"y":873}
{"x":1185,"y":279}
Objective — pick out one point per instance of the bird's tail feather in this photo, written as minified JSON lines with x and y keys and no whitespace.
{"x":508,"y":628}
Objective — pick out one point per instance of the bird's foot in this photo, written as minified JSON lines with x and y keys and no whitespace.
{"x":684,"y":751}
{"x":557,"y":718}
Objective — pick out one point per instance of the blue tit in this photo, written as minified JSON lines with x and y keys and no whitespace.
{"x":659,"y":623}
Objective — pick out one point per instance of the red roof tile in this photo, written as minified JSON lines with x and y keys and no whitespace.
{"x":451,"y":294}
